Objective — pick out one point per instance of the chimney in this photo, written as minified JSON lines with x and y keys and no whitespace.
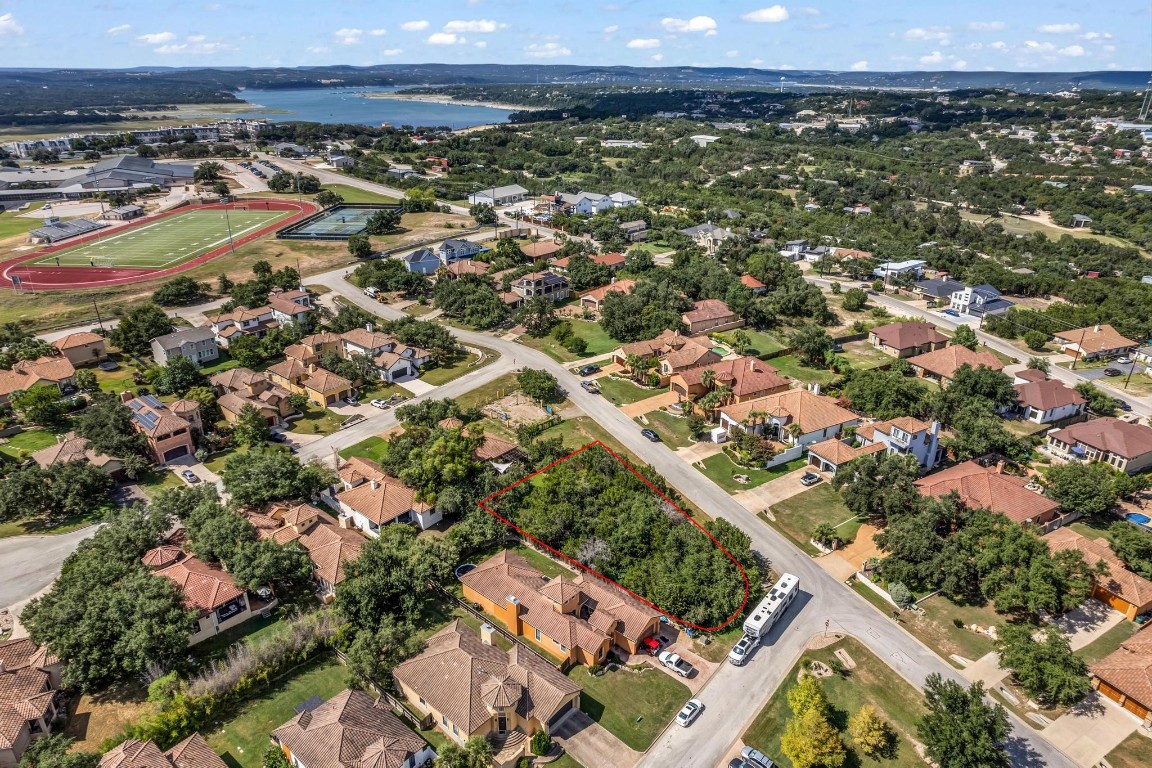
{"x":368,"y":327}
{"x":486,"y":633}
{"x":1000,"y":467}
{"x":3,"y":669}
{"x":345,"y":522}
{"x":513,"y":607}
{"x":1097,"y":328}
{"x":125,"y":396}
{"x":374,"y":483}
{"x":613,"y":280}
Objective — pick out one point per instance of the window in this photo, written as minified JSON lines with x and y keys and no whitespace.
{"x":537,"y":634}
{"x":422,"y":702}
{"x":455,"y":731}
{"x":444,"y":720}
{"x":563,"y":647}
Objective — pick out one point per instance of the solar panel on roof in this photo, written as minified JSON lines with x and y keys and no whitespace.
{"x":135,"y":405}
{"x":151,"y":401}
{"x":147,"y":419}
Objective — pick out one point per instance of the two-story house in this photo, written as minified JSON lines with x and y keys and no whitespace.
{"x":242,"y":321}
{"x":941,"y":365}
{"x":207,"y":589}
{"x":372,"y":499}
{"x":907,"y":339}
{"x":238,"y":387}
{"x":794,"y":419}
{"x":29,"y":679}
{"x":991,"y":487}
{"x":745,"y":377}
{"x":668,"y":353}
{"x":547,"y":284}
{"x":1046,"y":401}
{"x":329,"y":544}
{"x":1093,"y":343}
{"x":452,"y":250}
{"x":1125,"y":446}
{"x":422,"y":261}
{"x":594,"y":299}
{"x":393,"y":359}
{"x":195,"y":344}
{"x":707,"y":235}
{"x":906,"y":436}
{"x":168,"y":429}
{"x":979,"y":301}
{"x":83,"y":348}
{"x":614,"y":262}
{"x":710,"y":316}
{"x":291,"y":306}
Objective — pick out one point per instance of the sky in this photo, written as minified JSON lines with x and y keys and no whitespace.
{"x":876,"y":35}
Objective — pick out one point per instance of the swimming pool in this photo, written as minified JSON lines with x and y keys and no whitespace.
{"x":720,"y":351}
{"x":1137,"y":518}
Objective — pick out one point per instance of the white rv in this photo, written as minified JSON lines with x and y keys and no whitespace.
{"x":772,"y":607}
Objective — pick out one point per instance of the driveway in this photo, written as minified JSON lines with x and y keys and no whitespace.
{"x":415,"y":386}
{"x":1091,"y":729}
{"x":1087,"y":622}
{"x":762,"y":497}
{"x":591,"y":744}
{"x":655,"y":403}
{"x":31,"y":563}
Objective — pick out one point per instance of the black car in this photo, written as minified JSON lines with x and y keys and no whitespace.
{"x":1113,"y":372}
{"x":277,"y":437}
{"x":588,"y":370}
{"x":651,"y":435}
{"x":1123,"y":405}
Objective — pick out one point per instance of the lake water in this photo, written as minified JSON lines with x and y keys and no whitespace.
{"x":347,"y":105}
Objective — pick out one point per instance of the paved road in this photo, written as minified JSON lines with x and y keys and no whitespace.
{"x":31,"y":563}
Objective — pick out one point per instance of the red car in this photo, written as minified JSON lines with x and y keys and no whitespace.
{"x":651,"y":645}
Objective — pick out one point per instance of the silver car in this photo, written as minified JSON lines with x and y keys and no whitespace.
{"x":742,"y":651}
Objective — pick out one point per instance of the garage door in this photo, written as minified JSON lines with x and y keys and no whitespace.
{"x":1114,"y":601}
{"x":175,"y":453}
{"x":563,"y":711}
{"x":1110,"y":692}
{"x":1136,"y":708}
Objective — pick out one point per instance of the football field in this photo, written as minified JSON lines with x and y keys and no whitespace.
{"x":168,"y":242}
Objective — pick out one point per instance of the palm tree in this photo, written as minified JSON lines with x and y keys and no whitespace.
{"x":708,"y":379}
{"x":795,"y":430}
{"x":634,"y":364}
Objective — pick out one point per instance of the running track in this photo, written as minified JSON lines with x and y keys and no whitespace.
{"x":48,"y":278}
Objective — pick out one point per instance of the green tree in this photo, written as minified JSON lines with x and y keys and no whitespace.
{"x":538,"y":315}
{"x":271,"y":474}
{"x":224,"y":284}
{"x":326,"y":198}
{"x":53,"y":751}
{"x":107,"y":425}
{"x":359,"y":246}
{"x":247,"y":350}
{"x":811,"y":343}
{"x":250,"y":429}
{"x":871,"y":733}
{"x":382,"y":221}
{"x":1133,"y":546}
{"x":810,"y":741}
{"x":39,"y":405}
{"x":86,"y":379}
{"x":1089,"y":489}
{"x":483,"y":214}
{"x":1098,"y":402}
{"x":1047,"y":669}
{"x":886,"y":394}
{"x":1039,"y":364}
{"x":207,"y":171}
{"x":961,"y":730}
{"x":136,"y":330}
{"x":274,"y":757}
{"x":1035,"y":340}
{"x":855,"y":299}
{"x":964,"y":336}
{"x":263,"y":562}
{"x":538,"y":385}
{"x":878,"y":486}
{"x":901,"y":595}
{"x":178,"y":376}
{"x":808,"y":694}
{"x":180,"y":291}
{"x":374,"y":653}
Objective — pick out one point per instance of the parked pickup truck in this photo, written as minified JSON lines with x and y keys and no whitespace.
{"x":676,"y":664}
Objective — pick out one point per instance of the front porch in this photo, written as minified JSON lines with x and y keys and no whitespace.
{"x":508,"y":747}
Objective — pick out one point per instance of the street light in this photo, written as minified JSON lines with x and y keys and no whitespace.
{"x":228,"y":223}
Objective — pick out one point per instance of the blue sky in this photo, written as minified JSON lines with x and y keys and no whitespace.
{"x":819,"y":34}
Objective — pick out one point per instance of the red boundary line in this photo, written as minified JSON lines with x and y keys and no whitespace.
{"x":49,"y":278}
{"x":747,"y":586}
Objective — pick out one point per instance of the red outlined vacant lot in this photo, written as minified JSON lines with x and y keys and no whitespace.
{"x":747,"y":587}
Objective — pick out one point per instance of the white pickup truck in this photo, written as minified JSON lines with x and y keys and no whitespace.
{"x":676,"y":664}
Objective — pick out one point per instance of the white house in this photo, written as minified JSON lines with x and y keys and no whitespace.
{"x":496,"y":196}
{"x":913,"y":267}
{"x":290,"y":306}
{"x":623,"y":200}
{"x":796,"y":418}
{"x":906,"y":435}
{"x":1046,"y":401}
{"x":372,"y":499}
{"x":979,"y":300}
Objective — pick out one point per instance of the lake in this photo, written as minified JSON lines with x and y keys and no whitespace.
{"x":347,"y":105}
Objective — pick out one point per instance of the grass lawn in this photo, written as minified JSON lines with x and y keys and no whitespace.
{"x":41,"y":527}
{"x":1108,"y":642}
{"x":157,"y":480}
{"x":357,"y":195}
{"x":21,"y":446}
{"x":457,"y":366}
{"x":567,"y":761}
{"x":863,"y":355}
{"x":1130,"y":753}
{"x":578,"y":432}
{"x":1094,"y":527}
{"x":790,"y":366}
{"x":871,"y":682}
{"x":223,"y":363}
{"x":317,"y":421}
{"x":762,"y":343}
{"x":12,"y":224}
{"x":257,"y":629}
{"x":490,"y":392}
{"x":599,"y":342}
{"x":798,"y":516}
{"x":633,"y":706}
{"x":242,"y":739}
{"x":938,"y":631}
{"x":371,"y":448}
{"x":622,"y":391}
{"x":719,"y":469}
{"x":119,"y":380}
{"x":673,"y":430}
{"x":541,"y":562}
{"x":418,"y":310}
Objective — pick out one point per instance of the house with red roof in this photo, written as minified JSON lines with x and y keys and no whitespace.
{"x":1005,"y":494}
{"x":710,"y":316}
{"x":747,"y":378}
{"x":1125,"y":675}
{"x":208,"y":589}
{"x":594,"y":299}
{"x":1125,"y":446}
{"x":907,"y":339}
{"x":372,"y":499}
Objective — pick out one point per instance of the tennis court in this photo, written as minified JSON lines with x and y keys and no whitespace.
{"x":165,"y":242}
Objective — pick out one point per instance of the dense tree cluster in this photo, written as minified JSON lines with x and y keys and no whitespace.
{"x":962,"y":730}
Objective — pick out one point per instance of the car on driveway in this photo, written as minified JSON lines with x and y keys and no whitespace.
{"x":651,"y":645}
{"x":756,"y":759}
{"x":588,"y":370}
{"x":190,"y":477}
{"x":810,"y":478}
{"x":278,"y":437}
{"x":690,"y":712}
{"x":1113,"y":372}
{"x":1124,"y":405}
{"x":351,"y":401}
{"x":1123,"y":360}
{"x":738,"y":763}
{"x":651,"y":435}
{"x":590,"y":387}
{"x":742,"y":651}
{"x":381,"y":404}
{"x":676,"y":664}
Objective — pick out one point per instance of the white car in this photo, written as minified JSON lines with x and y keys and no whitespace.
{"x":1124,"y":360}
{"x":689,"y":713}
{"x":381,"y":404}
{"x":740,"y":652}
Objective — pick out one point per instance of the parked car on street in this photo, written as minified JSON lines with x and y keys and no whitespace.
{"x":590,"y":387}
{"x":690,"y":712}
{"x":651,"y":435}
{"x":810,"y":478}
{"x":381,"y":404}
{"x":1123,"y":360}
{"x":742,"y":651}
{"x":1113,"y":372}
{"x":676,"y":664}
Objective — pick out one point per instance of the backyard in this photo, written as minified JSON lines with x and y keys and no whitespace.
{"x":871,"y":682}
{"x":632,"y":705}
{"x":673,"y":430}
{"x":720,"y":469}
{"x":597,"y":339}
{"x":798,"y":516}
{"x":20,"y":447}
{"x":790,"y":366}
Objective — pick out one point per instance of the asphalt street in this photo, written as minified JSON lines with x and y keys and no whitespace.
{"x":28,"y":564}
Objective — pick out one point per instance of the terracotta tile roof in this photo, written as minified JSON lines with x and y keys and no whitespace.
{"x":233,"y":403}
{"x":613,"y":260}
{"x":23,"y":688}
{"x":744,"y":376}
{"x":1108,"y":434}
{"x":162,"y":556}
{"x":839,"y":452}
{"x":28,"y":373}
{"x":325,"y":382}
{"x":71,"y":448}
{"x":750,"y":282}
{"x":620,"y":286}
{"x":1097,"y":338}
{"x":492,"y":447}
{"x":811,"y":411}
{"x":450,"y":423}
{"x":184,"y":406}
{"x":980,"y":486}
{"x":358,"y":470}
{"x":708,"y":309}
{"x":1047,"y":394}
{"x":152,"y":417}
{"x":909,"y":424}
{"x":664,"y":344}
{"x":365,"y":339}
{"x":382,"y":499}
{"x":289,"y":369}
{"x":1129,"y":669}
{"x":1031,"y":374}
{"x":297,"y":352}
{"x":467,"y":267}
{"x":350,"y":730}
{"x":81,"y":339}
{"x":286,"y":306}
{"x":1118,"y":580}
{"x":945,"y":362}
{"x":193,"y":752}
{"x":319,"y":339}
{"x":456,"y":664}
{"x":236,"y":378}
{"x":205,"y":587}
{"x":540,"y":249}
{"x":908,"y":335}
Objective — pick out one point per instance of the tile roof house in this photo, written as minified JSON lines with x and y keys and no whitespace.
{"x":1125,"y":675}
{"x":84,"y":348}
{"x":329,"y":545}
{"x":710,"y":315}
{"x":941,"y":365}
{"x":207,"y":589}
{"x":613,"y":261}
{"x":193,"y":752}
{"x":472,"y":688}
{"x":540,"y":250}
{"x":1127,"y":447}
{"x":238,"y":387}
{"x":196,"y":344}
{"x":907,"y":436}
{"x":351,"y":730}
{"x":29,"y":677}
{"x":320,"y":386}
{"x":754,"y":285}
{"x":290,"y":306}
{"x":467,"y":267}
{"x":167,"y":428}
{"x":372,"y":499}
{"x":1118,"y":588}
{"x":242,"y":321}
{"x":829,"y":455}
{"x":816,"y":417}
{"x":747,"y":377}
{"x":907,"y":339}
{"x":672,"y":351}
{"x":980,"y":486}
{"x":1046,"y":401}
{"x":43,"y":371}
{"x":1094,"y":342}
{"x":594,"y":298}
{"x":72,"y":448}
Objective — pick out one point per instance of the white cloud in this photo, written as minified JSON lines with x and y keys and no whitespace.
{"x":152,"y":38}
{"x":475,"y":25}
{"x":1072,"y":50}
{"x":612,"y":29}
{"x":444,"y":38}
{"x":196,"y":38}
{"x":196,"y":46}
{"x":546,"y":51}
{"x":9,"y":25}
{"x":773,"y":14}
{"x":732,"y":54}
{"x":1058,"y":29}
{"x":377,"y":32}
{"x":999,"y":45}
{"x":1033,"y":45}
{"x":959,"y":64}
{"x":756,"y":62}
{"x":415,"y":26}
{"x":348,"y":36}
{"x":986,"y":26}
{"x":118,"y":29}
{"x":481,"y":44}
{"x":808,"y":11}
{"x":1097,"y":35}
{"x":644,"y":42}
{"x":317,"y":49}
{"x":942,"y":35}
{"x":392,"y":51}
{"x":860,"y":66}
{"x":657,"y":57}
{"x":932,"y":59}
{"x":705,"y":24}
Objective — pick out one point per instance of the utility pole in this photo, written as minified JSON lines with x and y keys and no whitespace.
{"x":228,"y":223}
{"x":1080,"y":353}
{"x":99,"y":321}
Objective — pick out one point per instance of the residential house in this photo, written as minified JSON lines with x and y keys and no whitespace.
{"x":320,"y":386}
{"x":83,"y":348}
{"x":623,"y":200}
{"x":469,"y":687}
{"x":1144,"y":356}
{"x":364,"y":341}
{"x":393,"y":359}
{"x":913,"y":268}
{"x":906,"y":436}
{"x":1126,"y":447}
{"x":832,"y":454}
{"x":238,"y":387}
{"x":1005,"y":494}
{"x":1117,"y":587}
{"x":1047,"y":401}
{"x":372,"y":499}
{"x":746,"y":377}
{"x":29,"y":679}
{"x":459,"y":269}
{"x":907,"y":339}
{"x":546,"y":283}
{"x":758,"y":288}
{"x":795,"y":419}
{"x":498,"y":452}
{"x":710,"y":316}
{"x":72,"y":448}
{"x":43,"y":371}
{"x":195,"y":344}
{"x":582,"y":203}
{"x":941,"y":365}
{"x":1080,"y":221}
{"x":329,"y":545}
{"x":193,"y":752}
{"x":208,"y":589}
{"x":341,"y":161}
{"x":167,"y":428}
{"x":1125,"y":676}
{"x":351,"y":730}
{"x":452,"y":250}
{"x":242,"y":321}
{"x":634,"y":231}
{"x":577,"y":619}
{"x":815,"y":254}
{"x":795,"y":248}
{"x":594,"y":299}
{"x":314,"y":346}
{"x":708,"y":236}
{"x":940,"y":288}
{"x":290,"y":306}
{"x":540,"y":250}
{"x":979,"y":301}
{"x":497,"y":196}
{"x":614,"y":261}
{"x":1098,"y":341}
{"x":670,"y":352}
{"x":422,"y":261}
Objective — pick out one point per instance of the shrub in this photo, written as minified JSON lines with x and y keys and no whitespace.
{"x":1035,"y":340}
{"x":541,"y":743}
{"x":900,"y":594}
